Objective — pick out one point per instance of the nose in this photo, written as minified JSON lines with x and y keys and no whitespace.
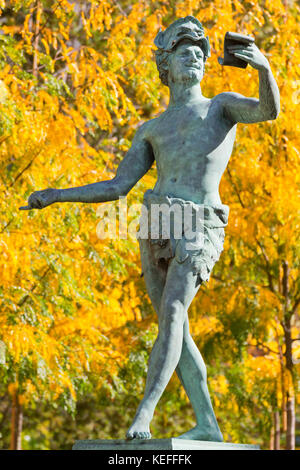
{"x":193,"y":57}
{"x":194,"y":60}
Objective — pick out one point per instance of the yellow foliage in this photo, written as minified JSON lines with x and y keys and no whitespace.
{"x":69,"y":121}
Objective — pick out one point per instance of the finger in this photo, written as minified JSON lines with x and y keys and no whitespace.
{"x":246,"y":53}
{"x":244,"y":44}
{"x":243,"y":55}
{"x":35,"y":203}
{"x":239,"y":48}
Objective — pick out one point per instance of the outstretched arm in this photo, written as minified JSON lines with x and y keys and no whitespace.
{"x":237,"y":107}
{"x":132,"y":168}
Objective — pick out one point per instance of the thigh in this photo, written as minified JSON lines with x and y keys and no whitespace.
{"x":181,"y":285}
{"x":154,"y":275}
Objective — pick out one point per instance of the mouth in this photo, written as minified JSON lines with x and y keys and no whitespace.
{"x":193,"y":67}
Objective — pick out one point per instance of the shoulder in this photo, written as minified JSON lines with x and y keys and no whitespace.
{"x":144,"y":129}
{"x":228,"y":97}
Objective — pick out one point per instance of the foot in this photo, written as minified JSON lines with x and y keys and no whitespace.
{"x":200,"y":434}
{"x":139,"y":428}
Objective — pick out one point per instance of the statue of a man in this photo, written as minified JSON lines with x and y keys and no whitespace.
{"x":191,"y":143}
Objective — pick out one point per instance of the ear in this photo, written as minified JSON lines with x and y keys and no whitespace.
{"x":159,"y":39}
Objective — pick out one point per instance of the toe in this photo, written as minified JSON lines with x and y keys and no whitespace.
{"x":138,"y":435}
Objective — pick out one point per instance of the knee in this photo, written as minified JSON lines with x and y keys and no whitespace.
{"x":173,"y":313}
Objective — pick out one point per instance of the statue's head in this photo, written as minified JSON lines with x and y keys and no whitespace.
{"x":182,"y":50}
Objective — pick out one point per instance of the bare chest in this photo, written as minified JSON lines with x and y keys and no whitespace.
{"x":196,"y":131}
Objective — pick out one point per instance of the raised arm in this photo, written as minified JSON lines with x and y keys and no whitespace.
{"x":135,"y":164}
{"x":237,"y":107}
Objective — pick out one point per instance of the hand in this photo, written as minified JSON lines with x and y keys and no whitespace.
{"x":41,"y":199}
{"x":250,"y":54}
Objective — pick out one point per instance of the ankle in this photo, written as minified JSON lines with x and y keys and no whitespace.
{"x":144,"y":413}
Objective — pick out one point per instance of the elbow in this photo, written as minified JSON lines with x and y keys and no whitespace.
{"x":272,"y":115}
{"x":123,"y":192}
{"x":275,"y":113}
{"x":276,"y":109}
{"x":121,"y":188}
{"x":270,"y":110}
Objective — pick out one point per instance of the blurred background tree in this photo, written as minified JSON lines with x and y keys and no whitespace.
{"x":76,"y":79}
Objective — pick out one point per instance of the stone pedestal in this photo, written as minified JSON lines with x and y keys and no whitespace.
{"x":157,"y":445}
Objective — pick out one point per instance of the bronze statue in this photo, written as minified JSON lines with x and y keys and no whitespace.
{"x":191,"y":143}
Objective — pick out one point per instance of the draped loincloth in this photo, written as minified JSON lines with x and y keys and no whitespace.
{"x":196,"y":237}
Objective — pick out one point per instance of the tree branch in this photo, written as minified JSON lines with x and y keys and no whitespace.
{"x":270,"y":278}
{"x":26,"y":168}
{"x":235,"y":188}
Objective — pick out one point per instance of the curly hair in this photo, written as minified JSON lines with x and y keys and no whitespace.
{"x":162,"y":63}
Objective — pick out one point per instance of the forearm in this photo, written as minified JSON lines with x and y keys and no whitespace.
{"x":269,"y":97}
{"x":249,"y":110}
{"x":96,"y":192}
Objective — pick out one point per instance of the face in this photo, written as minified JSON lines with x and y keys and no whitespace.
{"x":186,"y":63}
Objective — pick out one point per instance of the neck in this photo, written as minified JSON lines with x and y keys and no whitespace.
{"x":183,"y":93}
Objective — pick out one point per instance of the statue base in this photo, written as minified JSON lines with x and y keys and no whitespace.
{"x":157,"y":445}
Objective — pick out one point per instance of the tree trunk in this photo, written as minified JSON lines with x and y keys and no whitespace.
{"x":283,"y":412}
{"x":290,"y":400}
{"x":291,"y":424}
{"x":16,"y":423}
{"x":287,"y":327}
{"x":272,"y":439}
{"x":36,"y":38}
{"x":276,"y":430}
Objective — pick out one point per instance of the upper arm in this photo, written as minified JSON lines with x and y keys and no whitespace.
{"x":137,"y":161}
{"x":238,"y":108}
